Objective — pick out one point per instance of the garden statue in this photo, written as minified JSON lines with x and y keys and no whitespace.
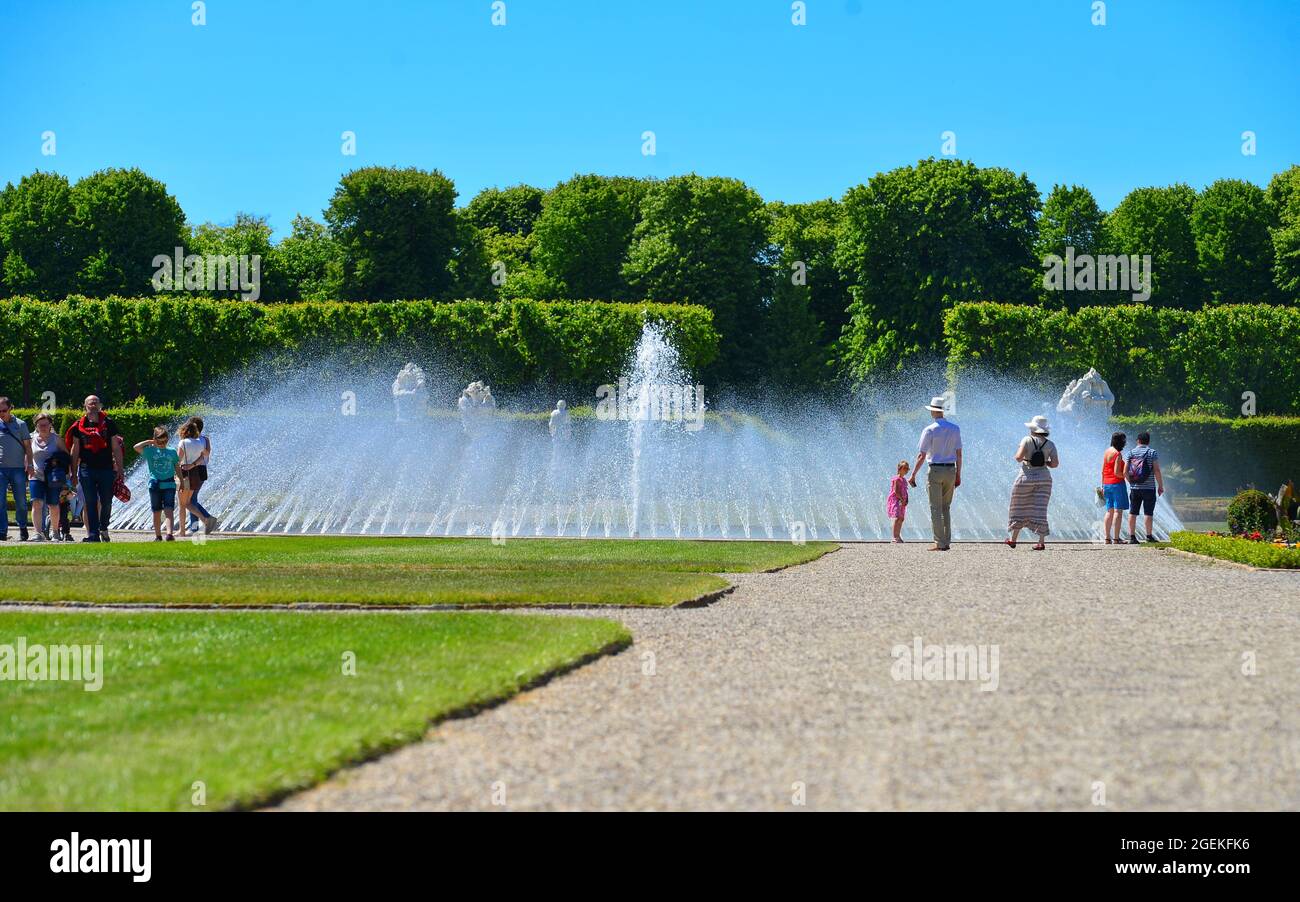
{"x":561,"y":428}
{"x":1287,"y":504}
{"x":475,"y":404}
{"x":1087,"y":398}
{"x":410,"y":394}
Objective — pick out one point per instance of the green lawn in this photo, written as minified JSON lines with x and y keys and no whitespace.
{"x":297,"y":569}
{"x":457,"y":553}
{"x":253,"y":704}
{"x":1243,"y":551}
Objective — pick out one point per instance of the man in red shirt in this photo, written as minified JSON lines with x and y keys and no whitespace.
{"x":96,"y":448}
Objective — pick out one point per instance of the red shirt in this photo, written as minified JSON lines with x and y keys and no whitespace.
{"x":1108,"y":475}
{"x":100,"y":456}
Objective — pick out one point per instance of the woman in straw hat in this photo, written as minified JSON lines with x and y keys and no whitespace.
{"x":1032,"y":489}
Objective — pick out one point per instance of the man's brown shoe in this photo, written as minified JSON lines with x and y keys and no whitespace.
{"x":935,"y":548}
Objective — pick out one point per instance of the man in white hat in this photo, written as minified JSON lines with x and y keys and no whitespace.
{"x":941,"y":442}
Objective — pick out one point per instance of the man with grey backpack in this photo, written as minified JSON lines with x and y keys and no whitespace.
{"x":1145,"y":484}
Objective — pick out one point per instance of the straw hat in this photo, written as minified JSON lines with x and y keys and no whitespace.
{"x":936,"y":404}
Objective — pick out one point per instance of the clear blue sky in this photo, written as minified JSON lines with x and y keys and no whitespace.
{"x":245,"y":113}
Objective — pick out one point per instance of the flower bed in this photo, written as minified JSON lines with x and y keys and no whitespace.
{"x":1253,"y":549}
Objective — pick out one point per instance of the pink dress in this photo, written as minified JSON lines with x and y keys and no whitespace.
{"x":897,"y":504}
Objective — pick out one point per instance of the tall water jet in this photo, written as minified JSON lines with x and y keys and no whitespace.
{"x":654,"y":397}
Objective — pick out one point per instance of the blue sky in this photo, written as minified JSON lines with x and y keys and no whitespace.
{"x":246,"y":112}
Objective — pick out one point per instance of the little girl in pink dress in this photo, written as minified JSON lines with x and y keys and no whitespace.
{"x":896,"y":506}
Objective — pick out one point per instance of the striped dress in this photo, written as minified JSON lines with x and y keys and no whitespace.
{"x":1032,"y":490}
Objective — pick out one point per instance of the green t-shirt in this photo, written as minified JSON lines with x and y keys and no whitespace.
{"x":162,"y":465}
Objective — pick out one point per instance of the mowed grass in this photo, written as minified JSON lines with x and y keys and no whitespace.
{"x":253,"y":704}
{"x":363,"y":585}
{"x":388,"y":571}
{"x":453,"y":553}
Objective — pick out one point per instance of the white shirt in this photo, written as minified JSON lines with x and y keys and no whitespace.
{"x":941,"y":440}
{"x":191,"y":449}
{"x":41,"y":452}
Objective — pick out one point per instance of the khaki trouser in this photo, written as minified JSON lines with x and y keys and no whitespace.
{"x":941,"y":483}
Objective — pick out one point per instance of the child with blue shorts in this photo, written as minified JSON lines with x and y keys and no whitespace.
{"x":164,"y":469}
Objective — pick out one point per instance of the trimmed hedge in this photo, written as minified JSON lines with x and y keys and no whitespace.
{"x":1153,"y":358}
{"x":165,"y":349}
{"x":1243,"y":551}
{"x":1225,"y":454}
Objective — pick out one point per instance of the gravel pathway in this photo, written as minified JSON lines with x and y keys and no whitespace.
{"x":1119,"y":673}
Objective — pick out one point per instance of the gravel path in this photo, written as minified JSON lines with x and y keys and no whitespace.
{"x":787,"y":682}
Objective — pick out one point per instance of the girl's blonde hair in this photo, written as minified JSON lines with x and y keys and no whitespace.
{"x":904,"y":465}
{"x":191,"y":428}
{"x":159,"y":432}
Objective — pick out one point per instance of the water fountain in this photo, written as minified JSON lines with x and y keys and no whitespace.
{"x":288,"y":458}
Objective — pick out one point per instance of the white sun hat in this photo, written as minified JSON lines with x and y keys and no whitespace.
{"x":1039,"y":426}
{"x":936,"y":404}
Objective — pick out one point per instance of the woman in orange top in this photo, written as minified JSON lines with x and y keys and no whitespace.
{"x":1112,"y":484}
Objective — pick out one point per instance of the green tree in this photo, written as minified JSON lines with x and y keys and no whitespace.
{"x":704,"y":241}
{"x":507,"y":211}
{"x":805,"y":234}
{"x":40,"y":248}
{"x":1158,"y":222}
{"x":1232,"y":221}
{"x":795,"y":353}
{"x":248,"y":236}
{"x":918,"y":239}
{"x":398,"y":231}
{"x":1284,"y":198}
{"x":583,"y":235}
{"x":307,"y":265}
{"x":1286,"y":261}
{"x":1284,"y":193}
{"x":1070,"y":219}
{"x":5,"y":193}
{"x":809,"y":298}
{"x":472,"y":261}
{"x":125,"y":219}
{"x":498,"y":243}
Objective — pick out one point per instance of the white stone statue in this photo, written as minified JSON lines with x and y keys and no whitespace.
{"x":476,"y":405}
{"x":410,"y":394}
{"x":561,"y":428}
{"x":1087,"y":398}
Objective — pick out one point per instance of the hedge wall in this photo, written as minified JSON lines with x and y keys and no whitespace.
{"x":164,"y":349}
{"x":1224,"y":454}
{"x":1153,"y":358}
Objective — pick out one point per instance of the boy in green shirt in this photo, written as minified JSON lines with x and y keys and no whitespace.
{"x":164,"y":469}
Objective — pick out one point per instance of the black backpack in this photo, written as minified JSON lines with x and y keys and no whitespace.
{"x":1038,"y":458}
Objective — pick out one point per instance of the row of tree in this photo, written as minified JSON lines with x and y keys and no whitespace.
{"x":800,"y":292}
